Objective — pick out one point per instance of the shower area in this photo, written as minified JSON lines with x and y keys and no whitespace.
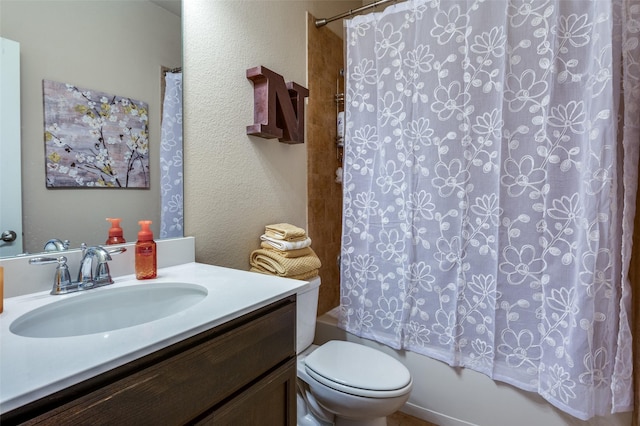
{"x":325,"y":59}
{"x":444,"y":395}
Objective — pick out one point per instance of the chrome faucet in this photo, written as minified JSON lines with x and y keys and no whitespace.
{"x":100,"y":256}
{"x":88,"y":276}
{"x":56,"y":244}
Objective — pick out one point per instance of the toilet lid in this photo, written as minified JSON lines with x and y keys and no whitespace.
{"x":358,"y":369}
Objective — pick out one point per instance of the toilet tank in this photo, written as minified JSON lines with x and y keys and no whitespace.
{"x":307,"y":308}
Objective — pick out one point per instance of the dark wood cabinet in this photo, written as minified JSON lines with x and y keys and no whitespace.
{"x":269,"y":402}
{"x":242,"y":372}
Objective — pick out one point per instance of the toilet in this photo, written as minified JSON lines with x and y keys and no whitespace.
{"x":343,"y":383}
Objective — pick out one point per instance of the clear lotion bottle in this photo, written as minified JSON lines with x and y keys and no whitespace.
{"x":146,"y":266}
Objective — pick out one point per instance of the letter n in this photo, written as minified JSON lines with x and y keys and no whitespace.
{"x":278,"y":107}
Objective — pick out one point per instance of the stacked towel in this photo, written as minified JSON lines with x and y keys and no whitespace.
{"x":270,"y":261}
{"x":285,"y":231}
{"x":285,"y":245}
{"x":286,"y":252}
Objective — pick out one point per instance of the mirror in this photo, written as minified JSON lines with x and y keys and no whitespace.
{"x":114,"y":46}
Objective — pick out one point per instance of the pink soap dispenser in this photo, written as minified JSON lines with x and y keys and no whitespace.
{"x":115,"y":232}
{"x":146,"y":266}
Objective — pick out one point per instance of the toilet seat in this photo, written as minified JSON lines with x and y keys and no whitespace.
{"x":358,"y":370}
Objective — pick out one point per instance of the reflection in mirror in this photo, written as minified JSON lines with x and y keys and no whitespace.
{"x":10,"y":193}
{"x":116,"y":47}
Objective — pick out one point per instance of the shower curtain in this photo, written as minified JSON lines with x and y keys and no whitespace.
{"x":490,"y":173}
{"x":171,"y":188}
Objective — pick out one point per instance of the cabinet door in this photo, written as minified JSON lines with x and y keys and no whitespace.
{"x":269,"y":402}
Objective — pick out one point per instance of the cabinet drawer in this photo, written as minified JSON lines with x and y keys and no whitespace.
{"x":180,"y":388}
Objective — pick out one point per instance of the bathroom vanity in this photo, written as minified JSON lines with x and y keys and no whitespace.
{"x":228,"y":359}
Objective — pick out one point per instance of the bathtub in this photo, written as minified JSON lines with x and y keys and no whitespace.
{"x":449,"y":396}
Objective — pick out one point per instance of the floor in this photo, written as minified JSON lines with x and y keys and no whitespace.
{"x":401,"y":419}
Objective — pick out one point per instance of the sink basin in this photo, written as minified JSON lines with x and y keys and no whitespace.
{"x":103,"y":310}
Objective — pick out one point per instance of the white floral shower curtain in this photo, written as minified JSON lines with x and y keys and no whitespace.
{"x":485,"y":193}
{"x":171,"y":178}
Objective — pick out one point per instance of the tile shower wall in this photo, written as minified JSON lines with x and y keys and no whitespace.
{"x":324,"y":61}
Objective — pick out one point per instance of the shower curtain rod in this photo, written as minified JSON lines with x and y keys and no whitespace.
{"x":325,"y":21}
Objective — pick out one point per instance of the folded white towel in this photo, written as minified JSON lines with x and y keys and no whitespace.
{"x":286,"y":245}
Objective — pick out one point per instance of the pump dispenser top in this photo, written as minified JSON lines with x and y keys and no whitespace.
{"x":146,"y":266}
{"x":145,"y":233}
{"x":115,"y":232}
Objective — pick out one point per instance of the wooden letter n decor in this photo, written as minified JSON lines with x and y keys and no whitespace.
{"x":278,"y":107}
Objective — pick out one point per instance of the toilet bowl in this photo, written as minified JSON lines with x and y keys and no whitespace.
{"x":344,"y":383}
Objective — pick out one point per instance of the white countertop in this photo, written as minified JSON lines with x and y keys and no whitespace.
{"x":31,"y":368}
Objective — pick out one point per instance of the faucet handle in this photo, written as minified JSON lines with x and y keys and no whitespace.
{"x":62,"y":278}
{"x":44,"y":260}
{"x":117,"y":250}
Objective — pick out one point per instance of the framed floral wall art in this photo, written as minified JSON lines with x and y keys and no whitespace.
{"x":93,"y":139}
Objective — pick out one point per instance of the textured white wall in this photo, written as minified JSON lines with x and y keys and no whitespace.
{"x":236,"y":184}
